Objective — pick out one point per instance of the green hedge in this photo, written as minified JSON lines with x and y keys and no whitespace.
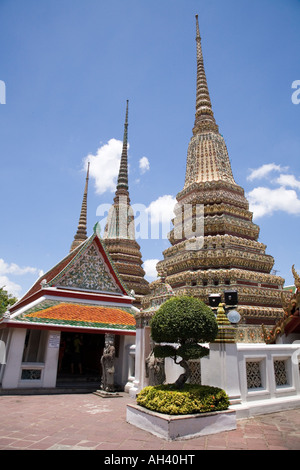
{"x":190,"y":399}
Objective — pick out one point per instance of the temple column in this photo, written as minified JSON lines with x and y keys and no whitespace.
{"x":142,"y":350}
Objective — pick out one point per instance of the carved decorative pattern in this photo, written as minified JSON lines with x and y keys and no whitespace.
{"x":252,"y":334}
{"x":195,"y":368}
{"x":207,"y":159}
{"x":90,"y":273}
{"x":253,"y":375}
{"x":280,"y":373}
{"x":31,"y":374}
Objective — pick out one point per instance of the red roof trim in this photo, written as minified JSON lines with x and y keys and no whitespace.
{"x":78,"y":329}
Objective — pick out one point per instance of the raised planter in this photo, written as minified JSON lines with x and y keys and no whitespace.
{"x":175,"y":427}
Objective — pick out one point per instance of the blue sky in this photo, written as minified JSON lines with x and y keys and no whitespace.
{"x":70,"y":65}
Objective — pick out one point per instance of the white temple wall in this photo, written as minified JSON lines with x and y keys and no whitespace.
{"x":14,"y":354}
{"x":220,"y":369}
{"x":258,"y":378}
{"x":31,"y":369}
{"x":36,"y":365}
{"x":172,"y":370}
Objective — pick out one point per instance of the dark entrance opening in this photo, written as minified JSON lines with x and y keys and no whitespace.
{"x":79,"y":360}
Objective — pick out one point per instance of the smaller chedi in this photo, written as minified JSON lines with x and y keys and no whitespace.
{"x":119,"y":233}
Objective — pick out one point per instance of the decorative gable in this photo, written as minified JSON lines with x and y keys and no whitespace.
{"x":88,"y":271}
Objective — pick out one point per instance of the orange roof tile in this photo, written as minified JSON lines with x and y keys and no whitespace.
{"x":77,"y":314}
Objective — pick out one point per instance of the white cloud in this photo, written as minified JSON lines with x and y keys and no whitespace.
{"x":12,"y":269}
{"x":265,"y":170}
{"x":144,"y":165}
{"x":288,"y":180}
{"x":161,"y":210}
{"x":161,"y":214}
{"x":10,"y":287}
{"x":265,"y":201}
{"x":16,"y":270}
{"x":104,"y":166}
{"x":150,"y":269}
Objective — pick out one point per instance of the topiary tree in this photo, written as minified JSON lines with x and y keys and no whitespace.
{"x":185,"y":321}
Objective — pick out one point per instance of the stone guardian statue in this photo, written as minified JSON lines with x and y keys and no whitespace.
{"x":108,"y":366}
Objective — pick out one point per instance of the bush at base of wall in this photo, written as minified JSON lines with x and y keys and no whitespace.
{"x":190,"y":399}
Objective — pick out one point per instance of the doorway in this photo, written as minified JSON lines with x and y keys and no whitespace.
{"x":79,"y":359}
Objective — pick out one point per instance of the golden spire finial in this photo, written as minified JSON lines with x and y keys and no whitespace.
{"x":204,"y":117}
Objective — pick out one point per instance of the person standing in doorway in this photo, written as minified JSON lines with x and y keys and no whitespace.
{"x":77,"y":344}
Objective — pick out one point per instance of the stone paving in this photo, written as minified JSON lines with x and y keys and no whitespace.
{"x":89,"y":422}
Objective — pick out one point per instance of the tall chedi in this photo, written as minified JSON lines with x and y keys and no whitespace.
{"x":223,"y":253}
{"x":119,"y":233}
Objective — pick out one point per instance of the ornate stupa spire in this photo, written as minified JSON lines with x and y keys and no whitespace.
{"x":123,"y":172}
{"x":207,"y":157}
{"x":214,"y":241}
{"x":120,"y":223}
{"x":81,"y":234}
{"x":204,"y":117}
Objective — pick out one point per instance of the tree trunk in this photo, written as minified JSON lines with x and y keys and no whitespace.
{"x":184,"y":376}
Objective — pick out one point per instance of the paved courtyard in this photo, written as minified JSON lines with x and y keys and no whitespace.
{"x":89,"y":422}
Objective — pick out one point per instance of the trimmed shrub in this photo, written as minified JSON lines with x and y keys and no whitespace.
{"x":190,"y":399}
{"x":182,"y":319}
{"x":185,"y":321}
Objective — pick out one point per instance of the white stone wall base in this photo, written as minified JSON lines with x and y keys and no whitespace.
{"x":262,"y":407}
{"x":177,"y":427}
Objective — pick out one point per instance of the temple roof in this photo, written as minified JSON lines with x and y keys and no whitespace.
{"x":86,"y":316}
{"x":86,"y":273}
{"x":83,"y":291}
